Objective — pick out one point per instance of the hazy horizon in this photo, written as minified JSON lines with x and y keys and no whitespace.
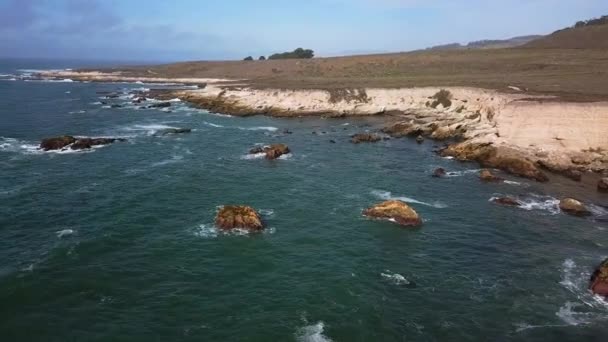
{"x":155,"y":31}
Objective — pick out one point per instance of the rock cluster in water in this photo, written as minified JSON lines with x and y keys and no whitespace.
{"x":238,"y":217}
{"x":396,"y":211}
{"x":365,"y":138}
{"x":63,"y":142}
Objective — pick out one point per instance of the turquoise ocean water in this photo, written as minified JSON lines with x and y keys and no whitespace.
{"x":118,"y":243}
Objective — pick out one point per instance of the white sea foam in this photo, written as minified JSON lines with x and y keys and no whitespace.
{"x":260,"y":128}
{"x":538,"y":202}
{"x":386,"y":195}
{"x":65,"y":232}
{"x":212,"y":124}
{"x":512,"y":182}
{"x":395,"y":278}
{"x":78,"y":112}
{"x":149,"y":129}
{"x":252,"y":156}
{"x":210,"y":231}
{"x":462,"y":173}
{"x":312,"y":333}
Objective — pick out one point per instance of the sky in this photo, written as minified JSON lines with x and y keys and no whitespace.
{"x":155,"y":30}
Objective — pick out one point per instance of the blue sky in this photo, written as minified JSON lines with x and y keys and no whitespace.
{"x":154,"y":30}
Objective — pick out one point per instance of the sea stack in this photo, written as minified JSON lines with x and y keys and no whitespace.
{"x":395,"y":211}
{"x":238,"y":217}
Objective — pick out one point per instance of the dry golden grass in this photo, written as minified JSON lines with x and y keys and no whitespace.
{"x":571,"y":74}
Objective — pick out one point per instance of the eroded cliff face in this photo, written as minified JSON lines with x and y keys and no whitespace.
{"x":525,"y":134}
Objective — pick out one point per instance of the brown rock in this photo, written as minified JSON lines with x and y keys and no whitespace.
{"x":504,"y":158}
{"x":442,"y":133}
{"x":439,"y":173}
{"x":599,"y":280}
{"x":396,"y":211}
{"x":573,"y":207}
{"x":401,"y":129}
{"x":365,"y":137}
{"x":487,"y":176}
{"x":602,"y":185}
{"x":243,"y":217}
{"x":273,"y":151}
{"x":57,"y":143}
{"x":506,"y":201}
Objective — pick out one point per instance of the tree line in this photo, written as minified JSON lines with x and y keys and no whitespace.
{"x":298,"y":53}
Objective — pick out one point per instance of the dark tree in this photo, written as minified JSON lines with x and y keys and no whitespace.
{"x":248,"y":58}
{"x":297,"y":53}
{"x":262,"y":58}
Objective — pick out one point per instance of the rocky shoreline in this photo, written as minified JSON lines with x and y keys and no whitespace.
{"x":522,"y":135}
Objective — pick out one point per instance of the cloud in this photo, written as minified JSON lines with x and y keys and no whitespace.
{"x":92,"y":29}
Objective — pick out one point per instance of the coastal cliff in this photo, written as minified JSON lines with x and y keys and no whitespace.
{"x":513,"y":131}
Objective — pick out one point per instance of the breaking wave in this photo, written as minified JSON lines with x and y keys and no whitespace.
{"x":312,"y":333}
{"x":386,"y":195}
{"x":395,"y":278}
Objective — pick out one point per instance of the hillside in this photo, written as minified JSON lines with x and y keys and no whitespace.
{"x":488,"y":44}
{"x":581,"y":36}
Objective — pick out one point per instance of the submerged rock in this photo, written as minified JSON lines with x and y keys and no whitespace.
{"x":506,"y":201}
{"x":160,"y":105}
{"x":273,"y":151}
{"x":439,"y":173}
{"x":365,"y":137}
{"x":175,"y":131}
{"x":599,"y":280}
{"x":395,"y":211}
{"x":238,"y":217}
{"x":573,"y":207}
{"x":86,"y":143}
{"x":420,"y":139}
{"x":487,"y":176}
{"x":602,"y":185}
{"x":57,"y":143}
{"x":65,"y":141}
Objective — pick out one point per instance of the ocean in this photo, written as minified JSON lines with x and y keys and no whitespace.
{"x":118,"y":243}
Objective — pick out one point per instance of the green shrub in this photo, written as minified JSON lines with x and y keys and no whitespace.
{"x":248,"y":58}
{"x":297,"y":53}
{"x":262,"y":58}
{"x":442,"y":97}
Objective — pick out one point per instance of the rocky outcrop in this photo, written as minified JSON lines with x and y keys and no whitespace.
{"x":63,"y":142}
{"x":365,"y":138}
{"x":439,"y":173}
{"x":238,"y":217}
{"x":508,"y":201}
{"x":602,"y":185}
{"x":573,"y":207}
{"x":160,"y":105}
{"x":86,"y":143}
{"x":57,"y":143}
{"x":175,"y":131}
{"x":498,"y":157}
{"x":487,"y":176}
{"x":402,"y":129}
{"x":395,"y":211}
{"x":272,"y":152}
{"x":599,"y":280}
